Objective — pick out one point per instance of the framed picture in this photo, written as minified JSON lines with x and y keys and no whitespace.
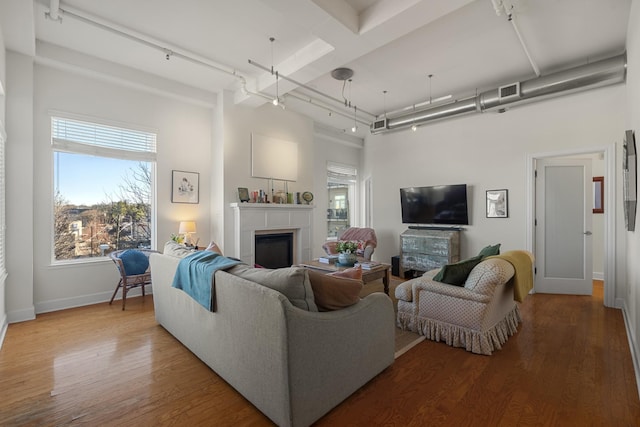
{"x":185,"y":187}
{"x":497,"y":204}
{"x":598,"y":194}
{"x":243,"y":194}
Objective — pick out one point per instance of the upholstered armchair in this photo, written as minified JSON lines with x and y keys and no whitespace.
{"x":479,"y":316}
{"x":365,"y":237}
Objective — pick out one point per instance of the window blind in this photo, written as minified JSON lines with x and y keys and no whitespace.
{"x":97,"y":139}
{"x":341,"y":173}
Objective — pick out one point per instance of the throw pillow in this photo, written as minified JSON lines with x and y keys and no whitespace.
{"x":457,"y":273}
{"x":177,"y":250}
{"x":292,"y":282}
{"x":350,"y":273}
{"x":213,"y":247}
{"x":134,"y":262}
{"x":490,"y":250}
{"x":333,"y":292}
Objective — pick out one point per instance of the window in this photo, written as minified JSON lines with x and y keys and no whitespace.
{"x":103,"y":188}
{"x":341,"y":185}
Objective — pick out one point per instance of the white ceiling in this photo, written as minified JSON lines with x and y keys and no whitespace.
{"x":391,"y":45}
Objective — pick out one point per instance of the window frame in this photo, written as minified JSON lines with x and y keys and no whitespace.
{"x":72,"y":147}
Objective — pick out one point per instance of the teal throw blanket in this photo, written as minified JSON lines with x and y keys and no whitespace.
{"x":195,"y":275}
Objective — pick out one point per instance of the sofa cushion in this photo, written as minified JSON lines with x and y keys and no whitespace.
{"x":134,"y":262}
{"x":176,"y":250}
{"x":332,"y":292}
{"x":457,"y":273}
{"x":490,"y":250}
{"x":292,"y":282}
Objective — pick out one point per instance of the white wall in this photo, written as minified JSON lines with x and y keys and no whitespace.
{"x":631,"y":294}
{"x":3,"y":308}
{"x":184,"y":143}
{"x":19,"y":192}
{"x":486,"y":151}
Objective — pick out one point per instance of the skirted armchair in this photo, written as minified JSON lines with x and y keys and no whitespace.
{"x":364,"y":237}
{"x":480,"y":316}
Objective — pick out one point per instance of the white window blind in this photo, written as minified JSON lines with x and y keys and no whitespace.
{"x":102,"y":140}
{"x":337,"y":172}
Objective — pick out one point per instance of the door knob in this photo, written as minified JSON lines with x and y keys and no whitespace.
{"x":587,"y":233}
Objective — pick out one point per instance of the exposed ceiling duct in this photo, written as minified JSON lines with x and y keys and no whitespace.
{"x":601,"y":73}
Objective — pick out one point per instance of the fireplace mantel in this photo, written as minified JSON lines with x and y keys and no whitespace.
{"x":262,"y":218}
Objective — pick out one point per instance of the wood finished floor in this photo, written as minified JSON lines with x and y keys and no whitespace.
{"x":568,"y":365}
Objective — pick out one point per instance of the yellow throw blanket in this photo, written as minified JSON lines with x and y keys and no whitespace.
{"x":522,"y":262}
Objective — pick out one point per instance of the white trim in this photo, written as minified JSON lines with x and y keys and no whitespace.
{"x":3,"y":330}
{"x":609,"y":211}
{"x":21,"y":315}
{"x":598,"y":275}
{"x":633,"y":346}
{"x":83,"y":300}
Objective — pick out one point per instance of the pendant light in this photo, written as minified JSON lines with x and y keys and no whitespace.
{"x":355,"y":119}
{"x":276,"y":100}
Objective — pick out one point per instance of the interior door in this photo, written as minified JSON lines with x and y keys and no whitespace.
{"x":564,"y":196}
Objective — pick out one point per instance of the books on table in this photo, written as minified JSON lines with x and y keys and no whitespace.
{"x":328,"y":259}
{"x":368,"y":265}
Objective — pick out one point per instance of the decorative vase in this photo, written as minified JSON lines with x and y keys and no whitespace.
{"x":346,"y":259}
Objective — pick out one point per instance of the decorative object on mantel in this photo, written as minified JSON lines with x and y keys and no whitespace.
{"x":307,"y":197}
{"x":629,"y":175}
{"x":185,"y":187}
{"x":243,"y":194}
{"x":497,"y":204}
{"x":347,"y":253}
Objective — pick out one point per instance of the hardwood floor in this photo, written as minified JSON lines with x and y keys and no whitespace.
{"x":569,"y":364}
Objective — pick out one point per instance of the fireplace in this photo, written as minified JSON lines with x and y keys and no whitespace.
{"x":274,"y":250}
{"x":252,"y":220}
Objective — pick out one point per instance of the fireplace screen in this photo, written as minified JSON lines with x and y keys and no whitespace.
{"x":274,"y":250}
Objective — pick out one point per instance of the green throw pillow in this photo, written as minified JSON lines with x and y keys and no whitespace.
{"x":456,"y":274}
{"x":490,"y":250}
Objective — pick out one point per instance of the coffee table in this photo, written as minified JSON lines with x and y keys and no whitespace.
{"x":380,"y":271}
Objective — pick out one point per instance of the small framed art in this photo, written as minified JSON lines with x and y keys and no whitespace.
{"x":497,"y":203}
{"x":185,"y":187}
{"x":243,"y":194}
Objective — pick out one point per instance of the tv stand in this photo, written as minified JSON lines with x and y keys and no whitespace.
{"x":424,"y":249}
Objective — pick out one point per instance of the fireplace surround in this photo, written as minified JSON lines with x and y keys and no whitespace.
{"x":251,"y":219}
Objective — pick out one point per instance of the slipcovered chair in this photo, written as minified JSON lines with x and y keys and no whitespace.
{"x":479,"y":316}
{"x":134,"y":270}
{"x":365,"y":237}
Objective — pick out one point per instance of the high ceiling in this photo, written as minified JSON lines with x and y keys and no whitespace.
{"x":391,"y":45}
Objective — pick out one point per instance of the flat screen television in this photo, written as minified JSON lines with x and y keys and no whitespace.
{"x":442,"y":204}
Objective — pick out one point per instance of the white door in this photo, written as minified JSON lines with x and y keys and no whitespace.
{"x":564,"y":197}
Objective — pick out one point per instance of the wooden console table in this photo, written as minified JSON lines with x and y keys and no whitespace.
{"x":381,"y":271}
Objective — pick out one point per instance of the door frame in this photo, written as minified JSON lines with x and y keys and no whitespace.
{"x":609,"y":263}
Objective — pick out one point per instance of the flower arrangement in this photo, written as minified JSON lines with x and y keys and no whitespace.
{"x":178,"y":238}
{"x":347,"y":247}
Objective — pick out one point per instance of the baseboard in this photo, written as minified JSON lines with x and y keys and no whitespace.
{"x":633,"y":345}
{"x":597,"y":275}
{"x":80,"y":301}
{"x":21,"y":315}
{"x":3,"y":330}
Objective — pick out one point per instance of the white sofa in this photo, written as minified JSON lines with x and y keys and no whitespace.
{"x":293,"y":365}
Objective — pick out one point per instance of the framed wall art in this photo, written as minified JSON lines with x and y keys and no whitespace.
{"x":185,"y":187}
{"x":497,"y":204}
{"x":598,"y":194}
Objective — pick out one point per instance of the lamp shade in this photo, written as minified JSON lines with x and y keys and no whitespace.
{"x":187,"y":227}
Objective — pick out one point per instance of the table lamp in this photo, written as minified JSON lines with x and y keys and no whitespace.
{"x":187,"y":228}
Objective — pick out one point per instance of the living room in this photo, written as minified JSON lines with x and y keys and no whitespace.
{"x":210,"y":133}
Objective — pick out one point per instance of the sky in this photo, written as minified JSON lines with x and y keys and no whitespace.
{"x":88,"y":180}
